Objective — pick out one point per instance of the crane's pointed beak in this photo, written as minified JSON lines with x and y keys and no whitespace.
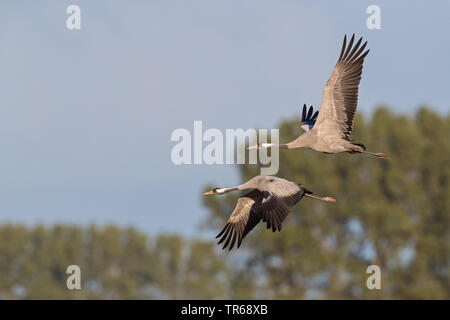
{"x":253,"y":147}
{"x":208,"y":192}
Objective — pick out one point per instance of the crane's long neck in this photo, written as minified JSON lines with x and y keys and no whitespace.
{"x":301,"y":142}
{"x":279,"y":146}
{"x":225,"y":190}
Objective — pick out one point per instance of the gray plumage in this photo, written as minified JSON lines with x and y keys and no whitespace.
{"x":330,"y":132}
{"x":270,"y":201}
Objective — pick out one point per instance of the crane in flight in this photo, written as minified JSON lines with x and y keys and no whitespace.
{"x":329,"y":130}
{"x":270,"y":201}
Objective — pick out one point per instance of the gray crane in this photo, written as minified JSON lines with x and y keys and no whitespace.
{"x":330,"y":132}
{"x":270,"y":201}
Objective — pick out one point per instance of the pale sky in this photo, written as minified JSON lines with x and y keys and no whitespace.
{"x":86,"y":115}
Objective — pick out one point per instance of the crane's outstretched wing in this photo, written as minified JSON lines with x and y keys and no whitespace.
{"x":308,"y":119}
{"x":279,"y":198}
{"x":340,"y":94}
{"x":271,"y":205}
{"x":246,"y":215}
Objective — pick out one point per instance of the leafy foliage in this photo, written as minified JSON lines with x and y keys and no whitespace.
{"x":115,"y":264}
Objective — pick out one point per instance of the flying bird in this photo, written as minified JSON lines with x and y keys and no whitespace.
{"x":270,"y":201}
{"x":329,"y":130}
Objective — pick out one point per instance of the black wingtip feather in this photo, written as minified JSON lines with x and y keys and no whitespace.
{"x":223,"y":230}
{"x":349,"y":47}
{"x":232,"y":241}
{"x":315,"y":115}
{"x":228,"y":239}
{"x":361,"y":58}
{"x":356,"y":55}
{"x":343,"y":47}
{"x":305,"y":190}
{"x":352,"y":55}
{"x":310,"y":111}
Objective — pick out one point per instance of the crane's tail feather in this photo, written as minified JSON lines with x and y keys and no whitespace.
{"x":307,"y":191}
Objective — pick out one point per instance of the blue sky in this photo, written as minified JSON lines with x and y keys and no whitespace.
{"x":86,"y":115}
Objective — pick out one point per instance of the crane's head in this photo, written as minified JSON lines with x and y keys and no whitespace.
{"x":261,"y":145}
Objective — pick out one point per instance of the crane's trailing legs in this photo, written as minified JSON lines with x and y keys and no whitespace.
{"x":328,"y":199}
{"x":360,"y":148}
